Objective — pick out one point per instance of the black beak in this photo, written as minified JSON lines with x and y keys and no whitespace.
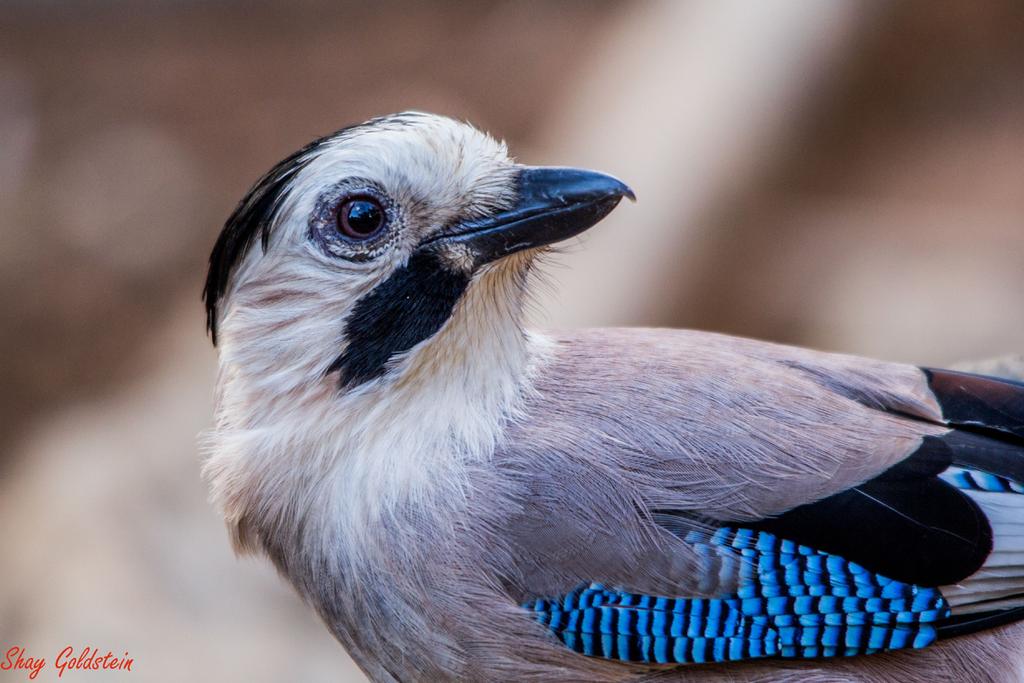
{"x":553,"y":204}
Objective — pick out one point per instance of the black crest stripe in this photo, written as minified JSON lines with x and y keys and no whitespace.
{"x":255,"y":214}
{"x":253,"y":217}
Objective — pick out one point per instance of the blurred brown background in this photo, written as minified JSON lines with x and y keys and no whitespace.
{"x":845,"y":175}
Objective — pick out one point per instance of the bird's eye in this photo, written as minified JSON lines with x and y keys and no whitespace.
{"x":360,"y":218}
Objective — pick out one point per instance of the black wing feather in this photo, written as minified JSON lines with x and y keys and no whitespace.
{"x":977,"y":401}
{"x":907,"y":523}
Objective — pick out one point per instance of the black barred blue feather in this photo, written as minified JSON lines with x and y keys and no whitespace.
{"x":793,"y":601}
{"x":976,"y":480}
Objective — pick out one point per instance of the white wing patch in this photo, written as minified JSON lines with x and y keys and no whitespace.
{"x":999,"y":583}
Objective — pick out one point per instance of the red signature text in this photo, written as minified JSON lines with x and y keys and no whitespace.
{"x":67,"y":660}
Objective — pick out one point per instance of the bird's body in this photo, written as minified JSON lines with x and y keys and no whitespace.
{"x":461,"y":499}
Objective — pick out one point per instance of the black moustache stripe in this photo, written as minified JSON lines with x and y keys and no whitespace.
{"x":407,"y":308}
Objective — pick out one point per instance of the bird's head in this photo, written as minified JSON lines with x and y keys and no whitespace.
{"x":356,"y":251}
{"x":366,"y":297}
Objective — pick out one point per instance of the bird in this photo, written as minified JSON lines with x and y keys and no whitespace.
{"x":459,"y":497}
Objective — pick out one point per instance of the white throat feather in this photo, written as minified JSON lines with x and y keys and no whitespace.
{"x":278,"y":461}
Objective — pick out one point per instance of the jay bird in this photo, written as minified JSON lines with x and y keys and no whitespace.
{"x":460,"y":498}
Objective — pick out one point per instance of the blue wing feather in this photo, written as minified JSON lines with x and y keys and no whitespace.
{"x":793,"y":601}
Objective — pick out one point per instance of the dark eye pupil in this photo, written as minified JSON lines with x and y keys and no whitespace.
{"x":360,"y":218}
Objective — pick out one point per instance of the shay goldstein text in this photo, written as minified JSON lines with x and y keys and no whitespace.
{"x":87,"y":659}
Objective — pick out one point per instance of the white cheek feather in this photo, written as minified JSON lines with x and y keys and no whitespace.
{"x":290,"y":451}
